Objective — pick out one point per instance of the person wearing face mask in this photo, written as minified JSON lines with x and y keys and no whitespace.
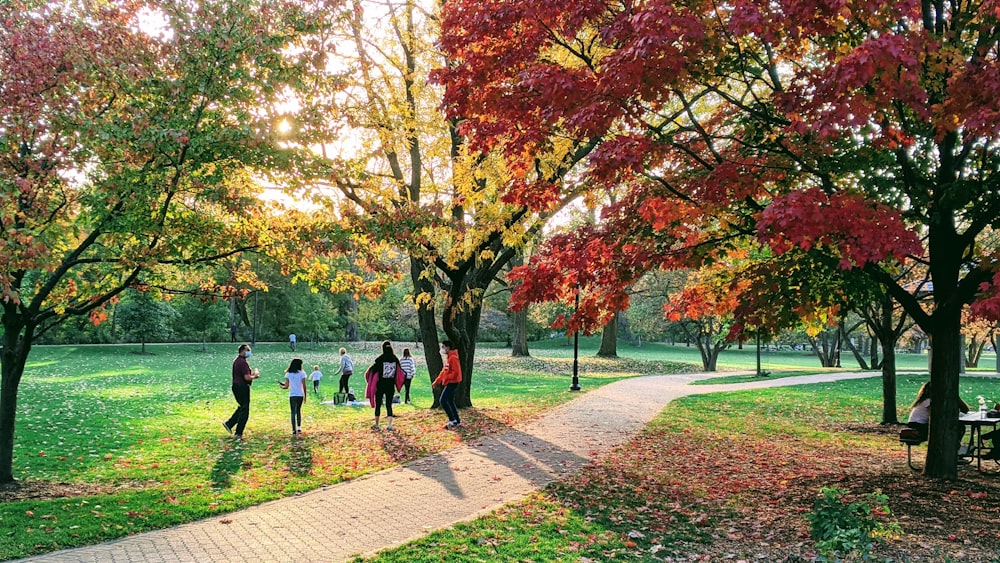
{"x":449,"y":378}
{"x":243,"y":377}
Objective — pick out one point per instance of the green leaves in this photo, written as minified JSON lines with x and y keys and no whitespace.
{"x":845,"y":528}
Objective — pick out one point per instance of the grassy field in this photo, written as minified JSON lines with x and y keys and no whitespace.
{"x":139,"y":437}
{"x":745,"y":467}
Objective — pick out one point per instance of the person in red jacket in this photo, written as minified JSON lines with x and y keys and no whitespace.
{"x":449,"y":378}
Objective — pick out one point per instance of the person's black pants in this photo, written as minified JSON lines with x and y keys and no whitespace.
{"x":386,"y":387}
{"x":296,"y":404}
{"x":242,"y":413}
{"x":448,"y":402}
{"x":343,"y":383}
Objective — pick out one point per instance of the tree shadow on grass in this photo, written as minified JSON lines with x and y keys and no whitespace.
{"x":230,"y":461}
{"x":533,"y":459}
{"x":298,"y":457}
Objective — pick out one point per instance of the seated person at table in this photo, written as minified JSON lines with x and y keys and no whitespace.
{"x":994,"y":452}
{"x":920,"y":412}
{"x":992,"y":436}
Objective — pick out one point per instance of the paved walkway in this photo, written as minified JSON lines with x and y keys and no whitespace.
{"x":338,"y":522}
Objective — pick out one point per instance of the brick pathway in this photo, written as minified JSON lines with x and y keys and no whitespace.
{"x":338,"y":522}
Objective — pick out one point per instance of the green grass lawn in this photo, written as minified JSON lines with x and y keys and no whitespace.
{"x":735,"y":359}
{"x":702,"y":465}
{"x":141,"y":435}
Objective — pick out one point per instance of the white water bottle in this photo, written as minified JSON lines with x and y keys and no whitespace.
{"x":982,"y":407}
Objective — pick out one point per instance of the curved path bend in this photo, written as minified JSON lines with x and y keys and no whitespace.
{"x":334,"y":523}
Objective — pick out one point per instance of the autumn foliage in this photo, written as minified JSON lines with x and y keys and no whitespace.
{"x":863,"y":131}
{"x":134,"y":143}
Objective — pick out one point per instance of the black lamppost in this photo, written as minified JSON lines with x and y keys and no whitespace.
{"x":576,"y":349}
{"x":758,"y":354}
{"x":256,"y":292}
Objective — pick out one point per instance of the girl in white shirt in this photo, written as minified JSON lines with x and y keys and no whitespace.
{"x":920,"y":412}
{"x":295,"y":382}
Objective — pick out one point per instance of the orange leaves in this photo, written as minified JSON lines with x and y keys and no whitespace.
{"x":98,"y":316}
{"x":707,"y":293}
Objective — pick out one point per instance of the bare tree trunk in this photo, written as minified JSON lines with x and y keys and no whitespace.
{"x":423,"y":291}
{"x":351,"y":329}
{"x":889,"y":415}
{"x":609,"y":339}
{"x":519,"y":338}
{"x":943,"y":435}
{"x":17,"y":338}
{"x":854,"y":350}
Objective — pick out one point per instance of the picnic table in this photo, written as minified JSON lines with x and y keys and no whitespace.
{"x":976,"y":422}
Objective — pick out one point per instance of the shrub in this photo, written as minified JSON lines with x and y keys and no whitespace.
{"x":844,"y":529}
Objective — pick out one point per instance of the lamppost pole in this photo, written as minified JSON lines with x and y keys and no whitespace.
{"x":576,"y":349}
{"x":758,"y":353}
{"x":256,"y":293}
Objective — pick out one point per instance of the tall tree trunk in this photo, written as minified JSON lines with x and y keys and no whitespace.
{"x":873,"y":351}
{"x":519,"y":332}
{"x":888,"y":335}
{"x":704,"y":350}
{"x":17,"y":338}
{"x":351,"y":329}
{"x":519,"y":336}
{"x":609,"y":339}
{"x":854,"y":350}
{"x":423,"y":291}
{"x":461,"y":324}
{"x":944,"y":331}
{"x":943,"y":436}
{"x":713,"y":360}
{"x":889,"y":415}
{"x":974,"y":352}
{"x":824,"y":349}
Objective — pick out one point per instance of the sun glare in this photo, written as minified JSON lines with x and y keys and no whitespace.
{"x":154,"y":24}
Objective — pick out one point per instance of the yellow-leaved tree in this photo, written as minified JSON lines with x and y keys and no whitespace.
{"x":391,"y":165}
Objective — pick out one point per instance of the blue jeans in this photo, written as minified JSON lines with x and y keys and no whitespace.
{"x":448,"y":401}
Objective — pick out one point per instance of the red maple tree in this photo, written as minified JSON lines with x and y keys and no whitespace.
{"x":865,"y":131}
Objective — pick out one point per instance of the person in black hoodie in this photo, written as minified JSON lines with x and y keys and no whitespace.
{"x":385,"y":368}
